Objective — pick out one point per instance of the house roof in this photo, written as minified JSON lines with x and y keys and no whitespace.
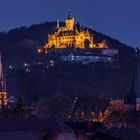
{"x":86,"y":126}
{"x":125,"y":133}
{"x":85,"y":54}
{"x":104,"y":135}
{"x":67,"y":33}
{"x":55,"y":126}
{"x":19,"y":135}
{"x":19,"y":124}
{"x":31,"y":128}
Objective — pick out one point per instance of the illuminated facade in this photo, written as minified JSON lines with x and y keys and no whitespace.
{"x":71,"y":35}
{"x":3,"y":93}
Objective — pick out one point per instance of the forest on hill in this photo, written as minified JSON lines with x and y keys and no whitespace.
{"x":19,"y":46}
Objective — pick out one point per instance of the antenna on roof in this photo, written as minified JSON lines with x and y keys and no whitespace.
{"x":69,"y":15}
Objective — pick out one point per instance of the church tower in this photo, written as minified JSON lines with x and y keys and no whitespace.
{"x":134,"y":93}
{"x":3,"y":93}
{"x":69,"y":22}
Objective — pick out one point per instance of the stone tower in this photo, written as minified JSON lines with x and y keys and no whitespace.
{"x":3,"y":93}
{"x":69,"y":22}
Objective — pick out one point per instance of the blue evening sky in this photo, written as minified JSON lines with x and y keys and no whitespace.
{"x":119,"y":19}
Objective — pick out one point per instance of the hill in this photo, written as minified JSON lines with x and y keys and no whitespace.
{"x":19,"y":46}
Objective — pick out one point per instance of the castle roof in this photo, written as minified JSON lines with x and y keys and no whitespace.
{"x":68,"y":33}
{"x":78,"y":27}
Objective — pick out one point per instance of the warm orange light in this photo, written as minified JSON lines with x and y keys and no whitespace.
{"x":40,"y":50}
{"x":3,"y":99}
{"x":68,"y":36}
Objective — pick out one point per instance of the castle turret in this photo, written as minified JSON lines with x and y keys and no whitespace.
{"x":3,"y":92}
{"x":57,"y":26}
{"x":69,"y":22}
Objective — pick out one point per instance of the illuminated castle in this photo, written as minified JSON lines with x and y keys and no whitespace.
{"x":70,"y":35}
{"x":3,"y":93}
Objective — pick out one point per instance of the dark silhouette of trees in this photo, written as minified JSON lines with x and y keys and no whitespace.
{"x":19,"y":45}
{"x":58,"y":106}
{"x":87,"y":44}
{"x":20,"y":109}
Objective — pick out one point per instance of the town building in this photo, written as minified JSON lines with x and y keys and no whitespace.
{"x":53,"y":129}
{"x":72,"y":36}
{"x":106,"y":56}
{"x":131,"y":101}
{"x":34,"y":129}
{"x":126,"y":112}
{"x":100,"y":135}
{"x":86,"y":58}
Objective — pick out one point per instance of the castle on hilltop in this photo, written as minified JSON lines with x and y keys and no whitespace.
{"x":71,"y":36}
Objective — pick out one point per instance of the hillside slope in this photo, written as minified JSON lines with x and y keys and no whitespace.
{"x":19,"y":46}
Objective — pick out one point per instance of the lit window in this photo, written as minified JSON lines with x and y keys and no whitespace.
{"x":27,"y":70}
{"x":72,"y":58}
{"x":26,"y":65}
{"x":10,"y":67}
{"x":39,"y":63}
{"x":39,"y":50}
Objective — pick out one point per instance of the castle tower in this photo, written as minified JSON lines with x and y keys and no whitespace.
{"x":57,"y":26}
{"x":3,"y":93}
{"x":69,"y":22}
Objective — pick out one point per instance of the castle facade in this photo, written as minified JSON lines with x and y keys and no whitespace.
{"x":71,"y":35}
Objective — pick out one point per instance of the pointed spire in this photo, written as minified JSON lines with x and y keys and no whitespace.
{"x":135,"y":87}
{"x":69,"y":15}
{"x":58,"y":25}
{"x":2,"y":79}
{"x":78,"y":26}
{"x":1,"y":68}
{"x":87,"y":31}
{"x":136,"y":75}
{"x":3,"y":93}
